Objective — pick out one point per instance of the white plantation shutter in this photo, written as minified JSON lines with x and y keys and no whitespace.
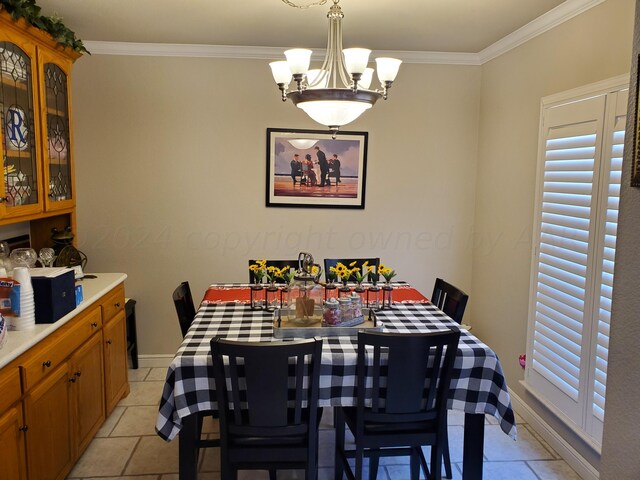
{"x":574,"y":247}
{"x":610,"y":188}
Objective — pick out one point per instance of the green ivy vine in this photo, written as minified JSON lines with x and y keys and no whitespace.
{"x":53,"y":25}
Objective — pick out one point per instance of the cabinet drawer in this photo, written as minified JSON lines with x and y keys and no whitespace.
{"x":60,"y":345}
{"x":113,"y":303}
{"x":9,"y":386}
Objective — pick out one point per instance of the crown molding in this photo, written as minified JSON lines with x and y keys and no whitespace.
{"x":260,"y":53}
{"x":551,"y":19}
{"x":562,"y":13}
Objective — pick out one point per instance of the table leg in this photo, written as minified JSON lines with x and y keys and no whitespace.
{"x":473,"y":446}
{"x":188,"y":450}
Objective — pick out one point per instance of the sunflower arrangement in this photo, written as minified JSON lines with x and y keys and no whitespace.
{"x":387,"y":272}
{"x":359,"y":273}
{"x":259,"y":270}
{"x":286,"y":274}
{"x":341,"y":271}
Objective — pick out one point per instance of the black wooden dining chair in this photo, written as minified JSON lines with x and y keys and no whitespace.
{"x":332,"y":262}
{"x":274,"y":263}
{"x":450,"y":299}
{"x":185,"y":309}
{"x":407,"y":405}
{"x":267,"y":395}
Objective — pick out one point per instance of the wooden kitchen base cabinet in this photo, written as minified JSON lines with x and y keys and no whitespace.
{"x":48,"y":418}
{"x":87,"y":388}
{"x":12,"y":458}
{"x":56,"y":395}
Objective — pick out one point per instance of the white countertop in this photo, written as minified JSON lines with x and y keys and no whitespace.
{"x":19,"y":342}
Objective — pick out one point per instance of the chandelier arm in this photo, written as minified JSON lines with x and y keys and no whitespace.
{"x":304,"y":7}
{"x":341,"y":67}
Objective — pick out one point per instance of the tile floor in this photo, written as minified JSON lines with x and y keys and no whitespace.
{"x":126,"y":447}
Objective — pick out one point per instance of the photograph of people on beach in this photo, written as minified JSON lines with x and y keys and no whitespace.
{"x":308,"y":168}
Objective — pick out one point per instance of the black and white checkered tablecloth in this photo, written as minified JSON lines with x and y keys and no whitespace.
{"x":478,"y":384}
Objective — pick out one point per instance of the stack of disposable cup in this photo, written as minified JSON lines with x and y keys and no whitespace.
{"x":27,"y":318}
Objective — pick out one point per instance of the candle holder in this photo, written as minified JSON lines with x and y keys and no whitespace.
{"x":330,"y":291}
{"x":284,"y":297}
{"x":361,"y":292}
{"x":373,"y":297}
{"x":344,"y":291}
{"x":271,"y":298}
{"x":387,"y":300}
{"x":257,"y":297}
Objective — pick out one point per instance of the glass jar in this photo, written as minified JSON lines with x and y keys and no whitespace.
{"x":331,"y":313}
{"x":304,"y":305}
{"x":356,"y":305}
{"x":346,"y":312}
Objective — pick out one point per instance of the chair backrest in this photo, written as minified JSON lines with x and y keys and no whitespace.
{"x":401,"y":394}
{"x":267,"y":389}
{"x":332,"y":262}
{"x":274,"y":263}
{"x":451,"y":300}
{"x":185,"y":309}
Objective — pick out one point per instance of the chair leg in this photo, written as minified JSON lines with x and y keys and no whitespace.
{"x":446,"y":459}
{"x":272,"y":475}
{"x":359,"y":460}
{"x":374,"y":461}
{"x":415,"y":464}
{"x":338,"y":421}
{"x":436,"y":463}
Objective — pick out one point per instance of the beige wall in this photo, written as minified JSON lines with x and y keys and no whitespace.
{"x":621,"y":442}
{"x":591,"y":47}
{"x":171,"y":178}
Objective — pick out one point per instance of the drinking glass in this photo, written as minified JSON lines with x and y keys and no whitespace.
{"x":47,"y":256}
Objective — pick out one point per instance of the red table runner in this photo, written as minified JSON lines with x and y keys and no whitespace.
{"x":402,"y":293}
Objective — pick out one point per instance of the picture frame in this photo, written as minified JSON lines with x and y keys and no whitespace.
{"x":312,"y":183}
{"x":635,"y":164}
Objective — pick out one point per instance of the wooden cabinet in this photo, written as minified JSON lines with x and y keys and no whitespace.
{"x":87,"y":392}
{"x":12,"y":457}
{"x":48,"y":418}
{"x":35,"y":105}
{"x":115,"y":348}
{"x":55,"y":396}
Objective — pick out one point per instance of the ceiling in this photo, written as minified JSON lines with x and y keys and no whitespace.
{"x":409,"y":25}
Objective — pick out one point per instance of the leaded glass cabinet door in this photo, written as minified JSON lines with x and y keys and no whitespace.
{"x":56,"y":123}
{"x":20,"y":193}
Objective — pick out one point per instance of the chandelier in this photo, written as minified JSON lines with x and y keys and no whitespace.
{"x":338,"y":92}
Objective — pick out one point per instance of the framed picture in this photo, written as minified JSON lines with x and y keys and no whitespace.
{"x":309,"y":169}
{"x":635,"y":174}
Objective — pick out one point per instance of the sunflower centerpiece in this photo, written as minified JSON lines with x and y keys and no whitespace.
{"x":304,"y":306}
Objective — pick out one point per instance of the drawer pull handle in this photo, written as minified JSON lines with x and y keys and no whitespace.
{"x":72,"y":380}
{"x":94,"y":324}
{"x":117,"y":305}
{"x":109,"y":342}
{"x":23,"y":428}
{"x":46,"y":364}
{"x":77,"y":374}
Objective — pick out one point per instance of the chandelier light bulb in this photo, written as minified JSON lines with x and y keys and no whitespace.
{"x":356,"y":59}
{"x":280,"y":71}
{"x":298,"y":60}
{"x":387,"y":69}
{"x":367,"y":77}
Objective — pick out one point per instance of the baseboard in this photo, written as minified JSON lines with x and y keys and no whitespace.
{"x":559,"y":444}
{"x":154,"y":361}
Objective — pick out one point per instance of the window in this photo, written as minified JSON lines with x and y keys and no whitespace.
{"x":579,"y":170}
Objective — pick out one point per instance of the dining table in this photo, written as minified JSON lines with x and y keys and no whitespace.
{"x":478,"y":386}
